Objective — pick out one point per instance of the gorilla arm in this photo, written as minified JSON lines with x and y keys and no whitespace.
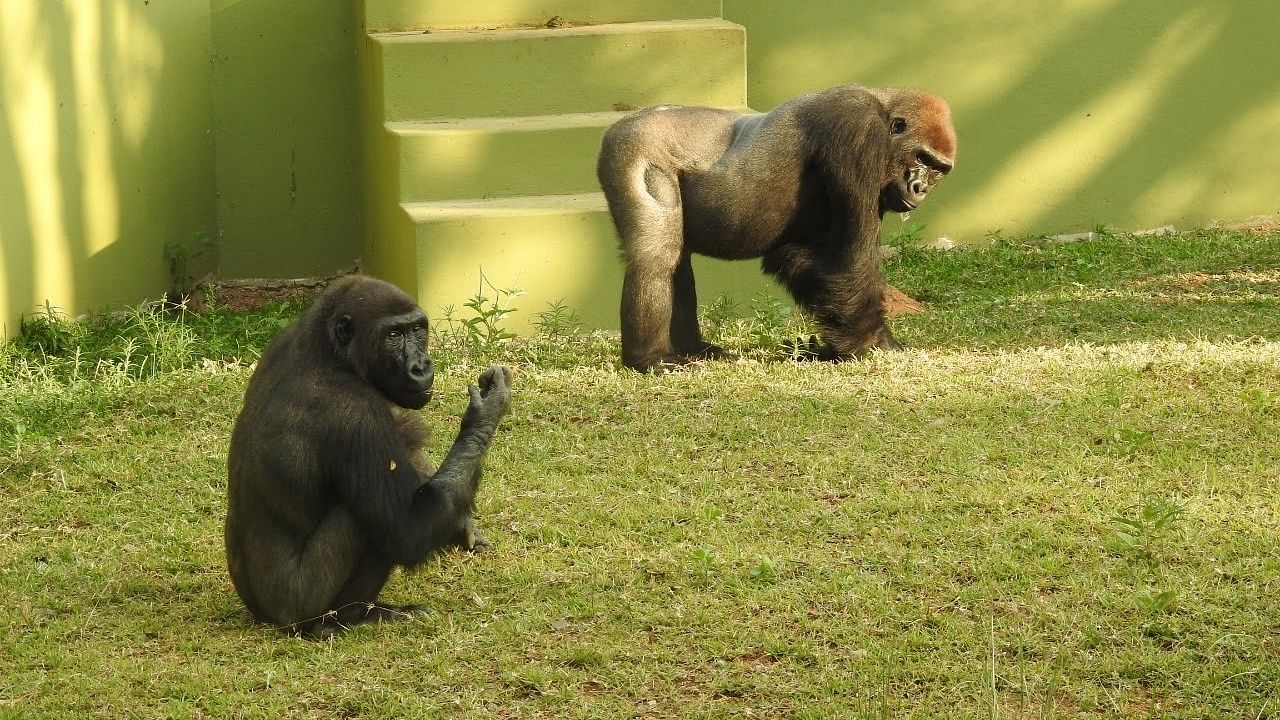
{"x":405,"y":514}
{"x":836,"y":274}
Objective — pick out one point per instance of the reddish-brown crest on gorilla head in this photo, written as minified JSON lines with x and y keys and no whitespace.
{"x":936,"y":114}
{"x":925,"y":111}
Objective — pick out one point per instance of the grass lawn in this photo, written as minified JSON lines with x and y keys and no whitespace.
{"x":1062,"y":501}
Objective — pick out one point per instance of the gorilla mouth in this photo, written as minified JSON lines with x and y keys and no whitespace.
{"x":914,"y":186}
{"x":412,"y":395}
{"x":423,"y":395}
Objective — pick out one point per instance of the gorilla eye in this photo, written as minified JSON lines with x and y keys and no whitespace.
{"x":898,"y":125}
{"x":394,"y":335}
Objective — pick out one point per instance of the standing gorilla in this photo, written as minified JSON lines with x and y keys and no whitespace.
{"x":804,"y":186}
{"x":329,"y":488}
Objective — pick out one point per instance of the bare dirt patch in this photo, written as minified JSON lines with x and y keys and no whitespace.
{"x":243,"y":295}
{"x":897,"y":303}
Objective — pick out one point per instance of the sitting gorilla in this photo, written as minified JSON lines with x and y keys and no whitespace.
{"x":803,"y":186}
{"x":329,"y":487}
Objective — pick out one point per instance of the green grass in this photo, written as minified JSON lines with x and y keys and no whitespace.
{"x":1061,"y":502}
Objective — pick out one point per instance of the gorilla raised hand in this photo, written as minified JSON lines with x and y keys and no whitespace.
{"x":804,"y":186}
{"x":329,"y":487}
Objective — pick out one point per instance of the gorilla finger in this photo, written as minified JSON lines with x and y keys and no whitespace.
{"x":476,"y":399}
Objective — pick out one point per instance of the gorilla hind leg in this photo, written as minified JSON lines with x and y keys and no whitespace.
{"x":650,"y":227}
{"x":357,"y":602}
{"x":686,"y":336}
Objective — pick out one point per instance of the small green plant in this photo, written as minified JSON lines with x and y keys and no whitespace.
{"x":181,"y":256}
{"x":718,"y":315}
{"x":1260,"y":403}
{"x":712,"y":514}
{"x":770,"y":318}
{"x":483,"y":331}
{"x":49,"y":332}
{"x":908,"y":234}
{"x":557,"y":321}
{"x":166,"y":344}
{"x":704,"y":561}
{"x":764,"y":570}
{"x":1145,"y":535}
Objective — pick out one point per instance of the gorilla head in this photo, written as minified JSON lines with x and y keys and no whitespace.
{"x":922,"y":146}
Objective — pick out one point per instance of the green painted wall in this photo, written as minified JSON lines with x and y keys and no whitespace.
{"x":287,"y":122}
{"x":1130,"y":113}
{"x":106,"y":149}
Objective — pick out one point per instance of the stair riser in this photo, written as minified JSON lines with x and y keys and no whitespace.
{"x":548,"y":72}
{"x":448,"y":165}
{"x":570,"y":258}
{"x":399,"y":15}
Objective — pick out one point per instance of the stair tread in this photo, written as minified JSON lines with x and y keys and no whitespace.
{"x":507,"y":124}
{"x":504,"y":206}
{"x":517,"y":123}
{"x":524,"y":33}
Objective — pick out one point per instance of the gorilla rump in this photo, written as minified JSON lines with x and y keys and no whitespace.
{"x":329,"y":487}
{"x":803,"y":186}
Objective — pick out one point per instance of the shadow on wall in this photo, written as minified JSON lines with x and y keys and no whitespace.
{"x":1070,"y":115}
{"x":105,"y":150}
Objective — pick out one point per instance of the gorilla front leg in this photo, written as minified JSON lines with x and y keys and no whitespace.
{"x":846,"y":303}
{"x":854,"y":323}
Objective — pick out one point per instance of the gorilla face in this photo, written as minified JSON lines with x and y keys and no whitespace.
{"x":922,"y":147}
{"x":912,"y":185}
{"x":403,"y":373}
{"x":388,"y":351}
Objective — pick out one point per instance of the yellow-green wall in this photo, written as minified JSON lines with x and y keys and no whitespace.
{"x":106,"y":149}
{"x":127,"y":125}
{"x":1070,"y":113}
{"x":286,"y":111}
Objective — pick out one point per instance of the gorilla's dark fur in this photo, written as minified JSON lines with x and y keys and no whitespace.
{"x":803,"y":186}
{"x":329,"y":485}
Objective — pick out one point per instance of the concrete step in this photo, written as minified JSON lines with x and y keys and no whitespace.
{"x":499,"y":157}
{"x":381,"y":15}
{"x":601,"y":68}
{"x":553,"y":248}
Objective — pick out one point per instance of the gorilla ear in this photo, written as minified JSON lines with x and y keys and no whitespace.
{"x":342,"y":331}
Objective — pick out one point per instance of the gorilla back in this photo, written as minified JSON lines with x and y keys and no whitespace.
{"x":327,"y":490}
{"x":803,"y":186}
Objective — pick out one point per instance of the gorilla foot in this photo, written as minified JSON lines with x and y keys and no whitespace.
{"x":704,"y":351}
{"x":337,"y":622}
{"x":659,"y":363}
